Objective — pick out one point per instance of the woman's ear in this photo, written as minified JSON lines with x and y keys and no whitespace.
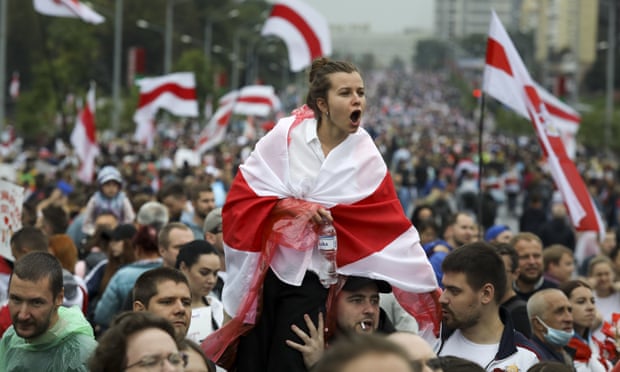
{"x":322,"y":105}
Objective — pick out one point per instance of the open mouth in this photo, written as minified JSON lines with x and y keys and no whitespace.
{"x":355,"y":116}
{"x":365,"y":325}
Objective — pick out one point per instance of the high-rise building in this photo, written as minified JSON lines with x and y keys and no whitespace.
{"x":565,"y":33}
{"x":459,"y":18}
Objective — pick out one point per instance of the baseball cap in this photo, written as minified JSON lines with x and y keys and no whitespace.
{"x":213,"y":220}
{"x":494,"y":231}
{"x":356,"y":282}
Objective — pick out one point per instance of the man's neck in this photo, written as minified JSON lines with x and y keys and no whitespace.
{"x":528,"y":287}
{"x":510,"y":293}
{"x":488,"y":330}
{"x":199,"y":221}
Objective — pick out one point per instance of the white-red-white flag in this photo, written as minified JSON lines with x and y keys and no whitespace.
{"x":504,"y":68}
{"x":84,"y":138}
{"x":251,"y":100}
{"x":304,"y":31}
{"x":175,"y":93}
{"x":14,"y":86}
{"x":565,"y":117}
{"x":256,"y":100}
{"x":68,"y":8}
{"x":215,"y":130}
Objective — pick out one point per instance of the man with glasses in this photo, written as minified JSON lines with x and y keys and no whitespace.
{"x":44,"y":336}
{"x":138,"y":341}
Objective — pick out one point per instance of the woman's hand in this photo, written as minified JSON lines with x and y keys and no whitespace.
{"x":320,"y":214}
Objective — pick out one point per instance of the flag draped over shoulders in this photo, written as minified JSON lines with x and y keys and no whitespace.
{"x":375,"y":238}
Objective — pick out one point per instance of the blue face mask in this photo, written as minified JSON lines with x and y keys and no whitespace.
{"x":556,"y":336}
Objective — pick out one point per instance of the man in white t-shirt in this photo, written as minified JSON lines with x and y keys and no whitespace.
{"x":474,"y":326}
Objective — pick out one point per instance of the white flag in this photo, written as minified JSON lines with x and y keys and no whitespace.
{"x":68,"y":8}
{"x":175,"y":93}
{"x":304,"y":31}
{"x":83,"y":138}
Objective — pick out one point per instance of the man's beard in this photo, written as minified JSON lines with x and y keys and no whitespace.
{"x":529,"y":280}
{"x":39,"y":327}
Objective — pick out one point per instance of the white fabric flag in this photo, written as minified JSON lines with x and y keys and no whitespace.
{"x":68,"y":8}
{"x":83,"y":138}
{"x":504,"y":69}
{"x":304,"y":31}
{"x":175,"y":93}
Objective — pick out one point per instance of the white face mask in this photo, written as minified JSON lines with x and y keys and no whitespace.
{"x":556,"y":336}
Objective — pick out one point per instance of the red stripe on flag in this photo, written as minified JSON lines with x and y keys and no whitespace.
{"x":240,"y":214}
{"x":254,"y":99}
{"x":223,"y":121}
{"x":556,"y":111}
{"x":362,"y":237}
{"x":147,"y":98}
{"x":314,"y":45}
{"x":88,"y":120}
{"x":496,"y":56}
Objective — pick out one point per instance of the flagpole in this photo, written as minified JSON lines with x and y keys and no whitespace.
{"x":116,"y":74}
{"x":3,"y":37}
{"x":480,"y":167}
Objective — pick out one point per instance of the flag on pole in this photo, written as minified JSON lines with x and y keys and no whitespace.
{"x":175,"y":93}
{"x":251,"y":100}
{"x":505,"y":72}
{"x":304,"y":31}
{"x":83,"y":138}
{"x":565,"y":117}
{"x":68,"y":8}
{"x":215,"y":130}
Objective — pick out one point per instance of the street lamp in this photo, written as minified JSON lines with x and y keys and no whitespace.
{"x":233,"y":13}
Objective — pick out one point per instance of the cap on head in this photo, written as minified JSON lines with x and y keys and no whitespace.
{"x":494,"y":231}
{"x":213,"y":220}
{"x":355,"y":283}
{"x":109,"y":173}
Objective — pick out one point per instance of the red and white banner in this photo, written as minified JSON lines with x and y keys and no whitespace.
{"x":175,"y":93}
{"x":304,"y":31}
{"x":68,"y":8}
{"x":215,"y":130}
{"x":565,"y":117}
{"x":251,"y":100}
{"x":505,"y":71}
{"x":83,"y":138}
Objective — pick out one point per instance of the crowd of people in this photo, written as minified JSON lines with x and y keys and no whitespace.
{"x":215,"y":266}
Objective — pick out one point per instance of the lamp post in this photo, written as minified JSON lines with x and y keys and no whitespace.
{"x":3,"y":37}
{"x":611,"y":60}
{"x":208,"y":37}
{"x":116,"y":73}
{"x":168,"y":36}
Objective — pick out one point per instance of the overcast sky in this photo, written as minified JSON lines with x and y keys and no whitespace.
{"x":383,"y":15}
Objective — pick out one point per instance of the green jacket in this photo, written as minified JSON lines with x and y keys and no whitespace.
{"x":64,"y":347}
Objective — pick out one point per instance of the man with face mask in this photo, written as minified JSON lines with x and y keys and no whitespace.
{"x":551,"y":318}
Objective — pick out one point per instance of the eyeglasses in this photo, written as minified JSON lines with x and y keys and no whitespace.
{"x":217,"y":230}
{"x":152,"y":361}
